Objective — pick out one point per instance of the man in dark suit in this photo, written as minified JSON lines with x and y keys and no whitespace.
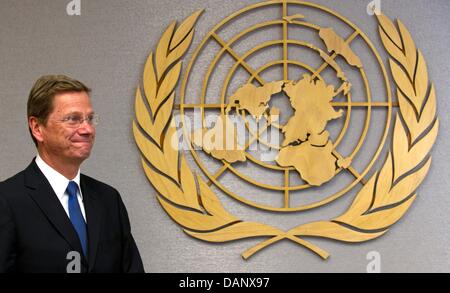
{"x":52,"y":218}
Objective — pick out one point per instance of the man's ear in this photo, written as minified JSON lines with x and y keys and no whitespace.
{"x":36,"y":128}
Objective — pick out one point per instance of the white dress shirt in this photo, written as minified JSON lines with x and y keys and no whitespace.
{"x":59,"y":184}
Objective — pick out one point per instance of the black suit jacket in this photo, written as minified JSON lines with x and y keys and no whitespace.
{"x":36,"y":234}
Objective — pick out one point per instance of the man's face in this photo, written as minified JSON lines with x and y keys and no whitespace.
{"x":63,"y":141}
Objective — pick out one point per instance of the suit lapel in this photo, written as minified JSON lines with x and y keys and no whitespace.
{"x":42,"y":193}
{"x":94,"y":217}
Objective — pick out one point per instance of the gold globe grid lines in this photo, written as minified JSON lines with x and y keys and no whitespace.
{"x":254,"y":75}
{"x":264,"y":128}
{"x":315,"y":73}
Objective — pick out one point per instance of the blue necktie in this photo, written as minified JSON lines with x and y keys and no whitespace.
{"x":76,"y":217}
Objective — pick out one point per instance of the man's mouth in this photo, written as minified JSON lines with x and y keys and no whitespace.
{"x":82,"y":142}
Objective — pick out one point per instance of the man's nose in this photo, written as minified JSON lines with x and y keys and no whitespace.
{"x":86,"y":128}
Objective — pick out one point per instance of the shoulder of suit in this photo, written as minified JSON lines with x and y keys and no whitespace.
{"x":13,"y":181}
{"x":13,"y":188}
{"x":97,"y":185}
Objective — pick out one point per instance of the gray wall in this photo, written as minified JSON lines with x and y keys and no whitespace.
{"x":106,"y":47}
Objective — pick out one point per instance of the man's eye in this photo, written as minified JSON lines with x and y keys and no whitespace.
{"x":73,"y":119}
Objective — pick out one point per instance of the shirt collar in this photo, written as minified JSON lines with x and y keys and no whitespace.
{"x":57,"y":181}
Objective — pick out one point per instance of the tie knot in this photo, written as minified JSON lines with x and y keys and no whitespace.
{"x":72,"y":189}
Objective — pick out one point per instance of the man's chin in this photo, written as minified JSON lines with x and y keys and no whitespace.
{"x":83,"y":154}
{"x":80,"y":151}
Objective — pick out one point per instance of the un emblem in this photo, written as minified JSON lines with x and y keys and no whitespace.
{"x":282,"y":115}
